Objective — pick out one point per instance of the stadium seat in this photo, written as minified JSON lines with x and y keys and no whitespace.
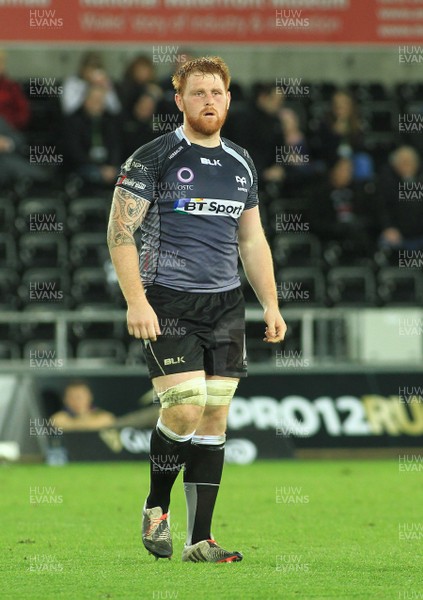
{"x":90,"y":285}
{"x":43,"y":353}
{"x":88,"y":250}
{"x":45,"y":121}
{"x":258,"y":352}
{"x":346,"y":254}
{"x":8,"y":255}
{"x":322,"y":91}
{"x":351,"y":285}
{"x":43,"y":250}
{"x":82,"y":330}
{"x":7,"y":214}
{"x":380,"y":118}
{"x":45,"y":286}
{"x":409,"y":91}
{"x":107,"y":351}
{"x":8,"y":285}
{"x":387,"y":257}
{"x":38,"y":215}
{"x":400,"y":286}
{"x":39,"y":329}
{"x":379,"y":145}
{"x":415,"y":107}
{"x":367,"y":92}
{"x":292,"y":249}
{"x":9,"y":351}
{"x":89,"y":214}
{"x":303,"y":286}
{"x":135,"y":354}
{"x":292,"y":343}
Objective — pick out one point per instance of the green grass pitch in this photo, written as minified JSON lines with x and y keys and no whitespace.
{"x":307,"y":529}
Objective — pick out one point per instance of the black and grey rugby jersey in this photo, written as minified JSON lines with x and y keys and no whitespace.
{"x":197,"y":194}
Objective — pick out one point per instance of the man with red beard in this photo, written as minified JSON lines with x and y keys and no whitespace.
{"x":193,"y":194}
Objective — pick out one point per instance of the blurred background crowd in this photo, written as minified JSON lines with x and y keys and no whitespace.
{"x":340,"y":184}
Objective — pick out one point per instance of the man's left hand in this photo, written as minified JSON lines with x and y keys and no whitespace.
{"x":276,"y":326}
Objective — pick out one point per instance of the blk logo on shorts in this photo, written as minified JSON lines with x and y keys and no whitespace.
{"x":174,"y":361}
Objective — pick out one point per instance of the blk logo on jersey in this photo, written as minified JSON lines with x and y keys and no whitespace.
{"x":215,"y":162}
{"x":209,"y":206}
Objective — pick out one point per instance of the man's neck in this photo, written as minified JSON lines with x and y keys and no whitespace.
{"x":209,"y":141}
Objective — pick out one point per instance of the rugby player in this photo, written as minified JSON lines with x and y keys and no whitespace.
{"x":194,"y":196}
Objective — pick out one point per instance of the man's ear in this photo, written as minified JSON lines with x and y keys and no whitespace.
{"x":229,"y":99}
{"x":179,"y":102}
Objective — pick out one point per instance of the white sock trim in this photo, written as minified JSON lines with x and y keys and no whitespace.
{"x":171,"y":434}
{"x":209,"y":440}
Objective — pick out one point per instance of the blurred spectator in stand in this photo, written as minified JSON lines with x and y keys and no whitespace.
{"x":258,"y":129}
{"x":340,"y":135}
{"x":341,"y":211}
{"x":139,"y":77}
{"x":295,"y":155}
{"x":79,"y":413}
{"x":139,"y":126}
{"x":400,"y":190}
{"x":92,"y":137}
{"x":182,"y":56}
{"x":16,"y":168}
{"x":14,"y":106}
{"x":91,"y":72}
{"x":166,"y":108}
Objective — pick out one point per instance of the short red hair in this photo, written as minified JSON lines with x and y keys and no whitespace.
{"x":207,"y":65}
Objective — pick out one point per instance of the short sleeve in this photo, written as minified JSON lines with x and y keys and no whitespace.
{"x":252,"y":198}
{"x":139,"y":173}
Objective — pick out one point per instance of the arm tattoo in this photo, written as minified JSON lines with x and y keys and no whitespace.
{"x":127,"y":214}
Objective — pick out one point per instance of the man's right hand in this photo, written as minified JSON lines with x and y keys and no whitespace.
{"x":142,"y":321}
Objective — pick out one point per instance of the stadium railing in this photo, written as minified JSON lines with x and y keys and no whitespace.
{"x":329,"y":338}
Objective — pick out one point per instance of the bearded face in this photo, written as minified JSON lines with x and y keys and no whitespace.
{"x":208,"y":122}
{"x":205,"y":103}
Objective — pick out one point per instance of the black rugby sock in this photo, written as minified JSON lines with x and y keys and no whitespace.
{"x":166,"y":459}
{"x":202,"y":476}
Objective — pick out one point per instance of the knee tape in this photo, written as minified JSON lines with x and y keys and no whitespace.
{"x":220,"y":391}
{"x":192,"y":391}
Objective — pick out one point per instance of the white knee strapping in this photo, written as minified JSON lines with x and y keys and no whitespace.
{"x":193,"y":391}
{"x":171,"y":434}
{"x":220,"y":391}
{"x":209,"y":440}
